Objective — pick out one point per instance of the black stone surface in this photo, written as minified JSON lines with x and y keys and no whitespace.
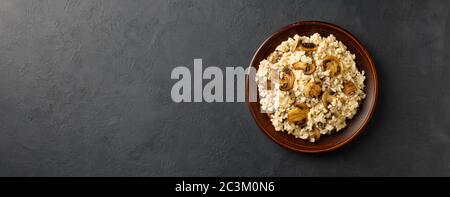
{"x":85,"y":88}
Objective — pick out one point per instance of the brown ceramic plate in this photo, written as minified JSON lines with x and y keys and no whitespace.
{"x":363,"y":62}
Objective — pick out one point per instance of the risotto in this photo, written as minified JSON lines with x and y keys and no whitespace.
{"x":310,"y":86}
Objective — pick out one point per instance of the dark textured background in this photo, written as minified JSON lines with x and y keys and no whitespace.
{"x":85,"y":88}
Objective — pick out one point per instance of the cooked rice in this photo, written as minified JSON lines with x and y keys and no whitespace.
{"x":331,"y":118}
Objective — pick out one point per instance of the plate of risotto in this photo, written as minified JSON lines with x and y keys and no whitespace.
{"x":315,"y":86}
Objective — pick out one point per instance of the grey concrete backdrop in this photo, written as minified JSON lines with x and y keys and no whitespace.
{"x":85,"y":88}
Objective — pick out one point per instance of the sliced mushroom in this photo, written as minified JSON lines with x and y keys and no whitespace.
{"x":286,"y":79}
{"x":349,"y":88}
{"x":307,"y":68}
{"x":314,"y":135}
{"x":313,"y":89}
{"x":291,"y":99}
{"x":301,"y":106}
{"x":327,"y":97}
{"x":269,"y":84}
{"x":308,"y":46}
{"x":310,"y":68}
{"x":299,"y":65}
{"x":298,"y":115}
{"x":274,"y":57}
{"x":333,"y":65}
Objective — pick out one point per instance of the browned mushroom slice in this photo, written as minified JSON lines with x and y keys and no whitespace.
{"x":327,"y":97}
{"x":313,"y":89}
{"x":274,"y":57}
{"x":349,"y":88}
{"x":307,"y":46}
{"x":298,"y":115}
{"x":299,"y":65}
{"x":307,"y":68}
{"x":286,"y":79}
{"x":310,"y":68}
{"x":314,"y":135}
{"x":301,"y":106}
{"x":333,"y":65}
